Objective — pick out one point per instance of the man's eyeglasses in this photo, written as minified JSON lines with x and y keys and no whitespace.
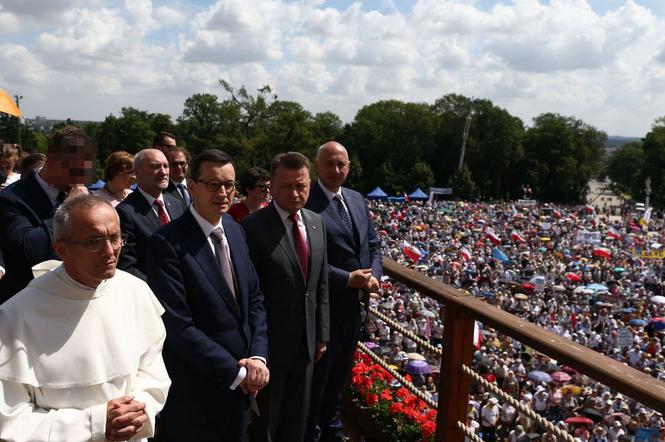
{"x":97,"y":244}
{"x":263,"y":187}
{"x":214,"y":186}
{"x":178,"y":163}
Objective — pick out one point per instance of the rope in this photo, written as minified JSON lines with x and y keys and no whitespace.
{"x":468,"y":432}
{"x":408,"y":333}
{"x":402,"y":380}
{"x":561,"y":434}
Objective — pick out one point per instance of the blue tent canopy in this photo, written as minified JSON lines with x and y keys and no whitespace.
{"x":377,"y":194}
{"x":418,"y":194}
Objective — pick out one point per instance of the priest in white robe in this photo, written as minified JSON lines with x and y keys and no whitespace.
{"x":80,"y":347}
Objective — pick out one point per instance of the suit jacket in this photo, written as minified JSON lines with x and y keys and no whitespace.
{"x":173,"y":190}
{"x":26,"y":232}
{"x":208,"y":330}
{"x":346,"y":252}
{"x":291,"y":302}
{"x":139,"y":221}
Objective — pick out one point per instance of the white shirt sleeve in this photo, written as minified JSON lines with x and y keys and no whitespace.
{"x":243,"y":372}
{"x":22,"y":421}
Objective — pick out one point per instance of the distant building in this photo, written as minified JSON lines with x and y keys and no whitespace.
{"x":602,"y":198}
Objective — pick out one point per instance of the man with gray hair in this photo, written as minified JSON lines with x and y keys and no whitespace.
{"x":146,"y":210}
{"x":80,"y":353}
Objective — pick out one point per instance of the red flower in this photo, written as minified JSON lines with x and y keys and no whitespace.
{"x":428,"y":428}
{"x":402,"y":392}
{"x":386,"y":396}
{"x":396,"y":408}
{"x":371,"y":399}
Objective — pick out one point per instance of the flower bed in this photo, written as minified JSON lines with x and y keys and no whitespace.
{"x":402,"y":416}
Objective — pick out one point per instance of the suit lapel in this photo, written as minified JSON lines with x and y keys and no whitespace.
{"x":313,"y":235}
{"x":199,"y":247}
{"x":354,"y":212}
{"x":144,"y":208}
{"x":278,"y":229}
{"x":173,"y":205}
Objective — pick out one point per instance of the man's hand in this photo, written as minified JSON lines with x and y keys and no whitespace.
{"x":76,"y":190}
{"x":372,"y":285}
{"x":125,"y":417}
{"x":2,"y":274}
{"x":257,"y":375}
{"x":321,"y":348}
{"x":358,"y":279}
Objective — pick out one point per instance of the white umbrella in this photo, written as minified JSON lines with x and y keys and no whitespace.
{"x":658,"y":299}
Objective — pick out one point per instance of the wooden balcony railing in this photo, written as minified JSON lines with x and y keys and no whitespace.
{"x":462,"y":310}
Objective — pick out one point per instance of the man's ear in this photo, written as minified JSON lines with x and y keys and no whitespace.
{"x":60,"y":248}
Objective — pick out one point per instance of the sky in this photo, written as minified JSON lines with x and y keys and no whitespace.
{"x":602,"y":61}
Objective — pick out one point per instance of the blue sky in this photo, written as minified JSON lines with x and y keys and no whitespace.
{"x":602,"y":61}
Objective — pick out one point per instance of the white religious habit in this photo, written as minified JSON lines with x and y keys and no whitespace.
{"x":67,"y":349}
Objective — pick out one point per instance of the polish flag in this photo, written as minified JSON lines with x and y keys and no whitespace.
{"x":411,"y":251}
{"x":465,"y":254}
{"x":477,"y":336}
{"x":492,"y":236}
{"x":614,"y":233}
{"x":602,"y":252}
{"x":517,"y":237}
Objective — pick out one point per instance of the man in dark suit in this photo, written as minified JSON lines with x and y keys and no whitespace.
{"x":179,"y":159}
{"x":146,"y":209}
{"x":216,"y":345}
{"x":287,"y":245}
{"x":354,"y":263}
{"x":27,"y":206}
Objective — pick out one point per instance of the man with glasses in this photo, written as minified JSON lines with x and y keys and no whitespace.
{"x":179,"y":159}
{"x":81,"y":345}
{"x":255,"y":185}
{"x":164,"y":141}
{"x":216,"y":346}
{"x":287,"y":244}
{"x":146,"y":209}
{"x":27,"y":206}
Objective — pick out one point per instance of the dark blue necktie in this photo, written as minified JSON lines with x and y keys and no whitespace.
{"x":344,"y":215}
{"x":184,"y":193}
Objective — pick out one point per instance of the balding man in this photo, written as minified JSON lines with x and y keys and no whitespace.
{"x":354,"y":266}
{"x":81,"y":345}
{"x":146,"y":209}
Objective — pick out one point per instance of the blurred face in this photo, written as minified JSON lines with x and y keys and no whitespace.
{"x":260,"y":192}
{"x":67,"y":170}
{"x":178,"y":166}
{"x":84,"y":266}
{"x":166,"y":144}
{"x":332,"y":166}
{"x":209,"y":203}
{"x":7,"y":164}
{"x":152,"y":175}
{"x":290,"y":188}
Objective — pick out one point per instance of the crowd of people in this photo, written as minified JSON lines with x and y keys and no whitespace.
{"x":224,"y":304}
{"x":588,"y":278}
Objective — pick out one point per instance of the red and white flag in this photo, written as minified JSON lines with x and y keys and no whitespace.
{"x":614,"y":233}
{"x":517,"y":237}
{"x":466,"y":255}
{"x":477,"y":336}
{"x":411,"y":251}
{"x":602,"y":252}
{"x":492,"y":236}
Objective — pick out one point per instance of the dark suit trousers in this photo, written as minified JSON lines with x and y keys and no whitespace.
{"x":330,"y":374}
{"x":284,"y":403}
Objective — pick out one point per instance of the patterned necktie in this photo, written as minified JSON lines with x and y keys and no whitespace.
{"x":344,"y":215}
{"x":161,"y":212}
{"x":222,"y":252}
{"x":301,"y":246}
{"x":185,"y":195}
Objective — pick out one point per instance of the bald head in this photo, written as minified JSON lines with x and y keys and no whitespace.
{"x":332,"y":165}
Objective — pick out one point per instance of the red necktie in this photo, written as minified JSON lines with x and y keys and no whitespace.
{"x":161,"y":212}
{"x":301,"y":246}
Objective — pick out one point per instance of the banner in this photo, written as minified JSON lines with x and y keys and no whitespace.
{"x":589,"y":237}
{"x":441,"y":190}
{"x":527,"y":203}
{"x":648,"y":253}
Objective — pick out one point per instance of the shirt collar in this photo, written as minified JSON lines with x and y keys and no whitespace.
{"x":51,"y":191}
{"x":283,"y":214}
{"x":183,"y":182}
{"x":151,"y":199}
{"x":203,"y":223}
{"x":329,"y":193}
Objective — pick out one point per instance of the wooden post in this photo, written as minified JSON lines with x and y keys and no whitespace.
{"x":453,"y":384}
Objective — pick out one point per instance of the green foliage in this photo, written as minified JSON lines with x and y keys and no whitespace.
{"x":654,"y":161}
{"x":625,"y":168}
{"x":462,"y":183}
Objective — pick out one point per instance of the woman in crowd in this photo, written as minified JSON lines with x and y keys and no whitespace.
{"x":9,"y":156}
{"x":255,"y":185}
{"x":119,"y":176}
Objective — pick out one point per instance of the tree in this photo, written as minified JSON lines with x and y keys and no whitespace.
{"x":625,"y":168}
{"x":654,"y":161}
{"x":561,"y":155}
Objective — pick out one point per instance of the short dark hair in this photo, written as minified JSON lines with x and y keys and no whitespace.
{"x":251,"y":177}
{"x":118,"y":162}
{"x":159,"y":138}
{"x":31,"y":162}
{"x":182,"y":149}
{"x":72,"y":140}
{"x":288,"y":160}
{"x":209,"y":155}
